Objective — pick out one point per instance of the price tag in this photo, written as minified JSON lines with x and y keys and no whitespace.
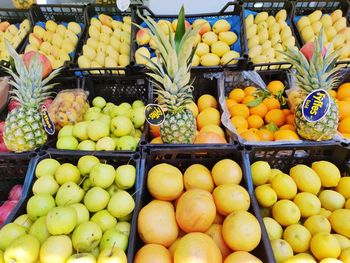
{"x":47,"y":122}
{"x":123,"y":5}
{"x":316,"y":105}
{"x":154,"y":114}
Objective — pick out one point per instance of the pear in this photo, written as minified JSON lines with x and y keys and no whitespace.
{"x":69,"y":193}
{"x":56,"y":249}
{"x":45,"y":184}
{"x":39,"y":230}
{"x":315,"y":16}
{"x":219,"y":48}
{"x":260,"y":17}
{"x":25,"y":249}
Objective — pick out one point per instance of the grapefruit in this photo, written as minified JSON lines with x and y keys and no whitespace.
{"x":153,"y":253}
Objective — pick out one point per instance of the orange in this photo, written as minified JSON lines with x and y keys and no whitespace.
{"x":286,"y":135}
{"x":275,"y":87}
{"x":173,"y":246}
{"x":156,"y":223}
{"x":192,"y":106}
{"x":287,"y":111}
{"x":240,"y":110}
{"x":255,"y":130}
{"x":195,"y":210}
{"x":248,"y":99}
{"x":290,"y":119}
{"x":153,"y":253}
{"x":206,"y":101}
{"x":276,"y":116}
{"x":255,"y":121}
{"x":260,"y":110}
{"x":242,"y":257}
{"x":239,"y":122}
{"x":230,"y":103}
{"x":249,"y":90}
{"x":250,"y":136}
{"x":346,"y":135}
{"x":343,"y":91}
{"x":157,"y":140}
{"x":213,"y":128}
{"x":288,"y":127}
{"x":208,"y":116}
{"x":346,"y":99}
{"x":272,"y":103}
{"x":209,"y":137}
{"x":215,"y":233}
{"x":237,"y":95}
{"x":332,"y":93}
{"x":344,"y":125}
{"x":154,"y":131}
{"x":344,"y":109}
{"x":226,"y":171}
{"x":198,"y":176}
{"x":240,"y":130}
{"x":265,"y":135}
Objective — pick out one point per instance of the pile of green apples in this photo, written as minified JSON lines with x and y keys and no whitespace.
{"x":105,"y":127}
{"x":78,"y":213}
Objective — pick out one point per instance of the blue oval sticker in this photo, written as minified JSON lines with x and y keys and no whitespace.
{"x":316,"y":105}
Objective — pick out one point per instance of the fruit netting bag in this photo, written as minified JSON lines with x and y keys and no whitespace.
{"x":234,"y":80}
{"x":68,"y":107}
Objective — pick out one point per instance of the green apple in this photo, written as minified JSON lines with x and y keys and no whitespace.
{"x":25,"y":249}
{"x":97,"y":130}
{"x":81,"y":258}
{"x":104,"y":219}
{"x":39,"y":230}
{"x":87,"y":145}
{"x":112,"y":255}
{"x":86,"y":163}
{"x":121,"y":126}
{"x":96,"y":199}
{"x":65,"y":131}
{"x":105,"y":118}
{"x":106,"y":109}
{"x":87,"y":184}
{"x":138,"y":104}
{"x":23,"y":220}
{"x":138,"y":117}
{"x":125,"y":176}
{"x":94,"y":109}
{"x":56,"y":249}
{"x":126,"y":105}
{"x":45,"y":184}
{"x":112,"y":237}
{"x":91,"y":115}
{"x":67,"y":143}
{"x":119,"y":111}
{"x":83,"y":214}
{"x":123,"y":227}
{"x":9,"y":233}
{"x":95,"y":252}
{"x":105,"y":144}
{"x":39,"y":205}
{"x":99,"y":102}
{"x":126,"y":218}
{"x":80,"y":130}
{"x":127,"y":143}
{"x":138,"y":133}
{"x":86,"y":236}
{"x":61,"y":220}
{"x":102,"y":175}
{"x":69,"y":193}
{"x":67,"y":172}
{"x":115,"y":138}
{"x":112,"y":189}
{"x":46,"y":167}
{"x":110,"y":104}
{"x":121,"y":204}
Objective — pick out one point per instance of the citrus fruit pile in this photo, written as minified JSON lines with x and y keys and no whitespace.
{"x":200,"y":213}
{"x":342,"y":96}
{"x":260,"y":117}
{"x":306,"y":213}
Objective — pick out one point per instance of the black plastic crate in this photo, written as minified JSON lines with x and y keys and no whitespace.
{"x":271,"y":7}
{"x":113,"y":159}
{"x":204,"y":83}
{"x":183,"y":158}
{"x":306,"y":7}
{"x":231,"y":11}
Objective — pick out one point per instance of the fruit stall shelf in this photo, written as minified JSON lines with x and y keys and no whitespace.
{"x":115,"y":159}
{"x":231,"y":10}
{"x":116,"y":89}
{"x":306,"y":7}
{"x":14,"y":16}
{"x":271,"y":7}
{"x":93,"y":10}
{"x":183,"y":158}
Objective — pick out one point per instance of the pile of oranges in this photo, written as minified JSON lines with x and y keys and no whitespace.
{"x":254,"y":123}
{"x":342,"y":96}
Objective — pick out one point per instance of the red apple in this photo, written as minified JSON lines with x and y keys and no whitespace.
{"x":143,"y":36}
{"x":16,"y":192}
{"x":47,"y":103}
{"x":308,"y":50}
{"x":6,"y":209}
{"x":47,"y":68}
{"x":3,"y":147}
{"x":13,"y":104}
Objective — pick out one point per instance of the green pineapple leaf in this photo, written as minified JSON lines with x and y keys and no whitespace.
{"x":180,"y":29}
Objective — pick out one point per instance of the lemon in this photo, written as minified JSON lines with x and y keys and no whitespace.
{"x":308,"y":203}
{"x":343,"y":187}
{"x":345,"y":255}
{"x":260,"y":172}
{"x":298,"y":237}
{"x":328,"y":173}
{"x":324,"y":245}
{"x":265,"y":195}
{"x":344,"y":242}
{"x":326,"y":213}
{"x":285,"y":212}
{"x":273,"y":173}
{"x":273,"y":229}
{"x":347,"y":204}
{"x":317,"y":223}
{"x":281,"y":250}
{"x":306,"y":179}
{"x":330,"y":260}
{"x":331,"y":200}
{"x":340,"y":222}
{"x":284,"y":186}
{"x":301,"y":257}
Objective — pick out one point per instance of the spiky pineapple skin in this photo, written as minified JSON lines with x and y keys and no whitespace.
{"x":323,"y":129}
{"x":178,"y":127}
{"x":24,"y":130}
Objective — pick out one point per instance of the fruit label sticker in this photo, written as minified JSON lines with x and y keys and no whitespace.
{"x":154,"y":114}
{"x":123,"y":4}
{"x":316,"y":105}
{"x":47,"y":122}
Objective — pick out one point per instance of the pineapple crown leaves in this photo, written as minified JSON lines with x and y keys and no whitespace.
{"x":29,"y":87}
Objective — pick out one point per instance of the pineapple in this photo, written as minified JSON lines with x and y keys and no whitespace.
{"x":171,"y":77}
{"x":318,"y":73}
{"x":24,"y":130}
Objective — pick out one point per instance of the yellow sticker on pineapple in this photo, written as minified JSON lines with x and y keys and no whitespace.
{"x":154,"y":114}
{"x":47,"y":122}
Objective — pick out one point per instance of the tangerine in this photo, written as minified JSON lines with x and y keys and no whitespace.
{"x":230,"y":103}
{"x":272,"y":103}
{"x":241,"y":130}
{"x":240,"y":110}
{"x":206,"y":101}
{"x":343,"y":91}
{"x":248,"y":99}
{"x":215,"y":232}
{"x":287,"y":111}
{"x":332,"y":93}
{"x":259,"y":110}
{"x":344,"y":125}
{"x":288,"y":135}
{"x":255,"y":121}
{"x":344,"y":109}
{"x":250,"y":136}
{"x":290,"y":119}
{"x":239,"y":122}
{"x":265,"y":135}
{"x":290,"y":127}
{"x":275,"y":87}
{"x":237,"y":95}
{"x":249,"y":90}
{"x":276,"y":116}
